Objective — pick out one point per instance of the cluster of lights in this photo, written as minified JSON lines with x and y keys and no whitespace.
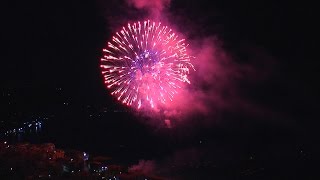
{"x":102,"y":169}
{"x":112,"y":178}
{"x":37,"y":124}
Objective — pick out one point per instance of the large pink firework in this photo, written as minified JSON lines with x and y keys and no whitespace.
{"x":146,"y":64}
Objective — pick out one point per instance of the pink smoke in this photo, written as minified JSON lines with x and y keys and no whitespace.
{"x":154,"y":7}
{"x":168,"y":123}
{"x":144,"y":167}
{"x":215,"y":85}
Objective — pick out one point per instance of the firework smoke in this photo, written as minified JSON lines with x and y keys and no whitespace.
{"x":154,"y":7}
{"x":144,"y":166}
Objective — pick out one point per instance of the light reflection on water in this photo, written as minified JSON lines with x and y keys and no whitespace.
{"x":24,"y":132}
{"x":105,"y":135}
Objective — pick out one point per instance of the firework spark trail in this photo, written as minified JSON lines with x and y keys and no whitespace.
{"x":146,"y":64}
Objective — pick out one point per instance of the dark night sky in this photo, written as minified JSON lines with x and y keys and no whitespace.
{"x":51,"y":44}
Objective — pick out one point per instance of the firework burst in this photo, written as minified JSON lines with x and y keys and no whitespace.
{"x":146,"y":64}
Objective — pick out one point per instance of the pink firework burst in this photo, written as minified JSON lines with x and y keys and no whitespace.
{"x":146,"y":64}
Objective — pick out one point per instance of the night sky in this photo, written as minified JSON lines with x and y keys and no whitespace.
{"x":51,"y":52}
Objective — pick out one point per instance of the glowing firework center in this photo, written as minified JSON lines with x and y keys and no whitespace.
{"x":145,"y":65}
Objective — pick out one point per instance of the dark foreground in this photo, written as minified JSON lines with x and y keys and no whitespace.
{"x":44,"y":161}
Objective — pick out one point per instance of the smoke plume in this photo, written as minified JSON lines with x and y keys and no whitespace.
{"x":154,"y":7}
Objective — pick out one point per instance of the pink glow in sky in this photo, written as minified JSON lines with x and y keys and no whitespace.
{"x":206,"y":83}
{"x":155,"y":7}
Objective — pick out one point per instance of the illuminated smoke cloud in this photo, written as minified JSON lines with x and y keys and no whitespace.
{"x":144,"y":167}
{"x":154,"y":7}
{"x":216,"y":85}
{"x":211,"y":84}
{"x":168,"y":123}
